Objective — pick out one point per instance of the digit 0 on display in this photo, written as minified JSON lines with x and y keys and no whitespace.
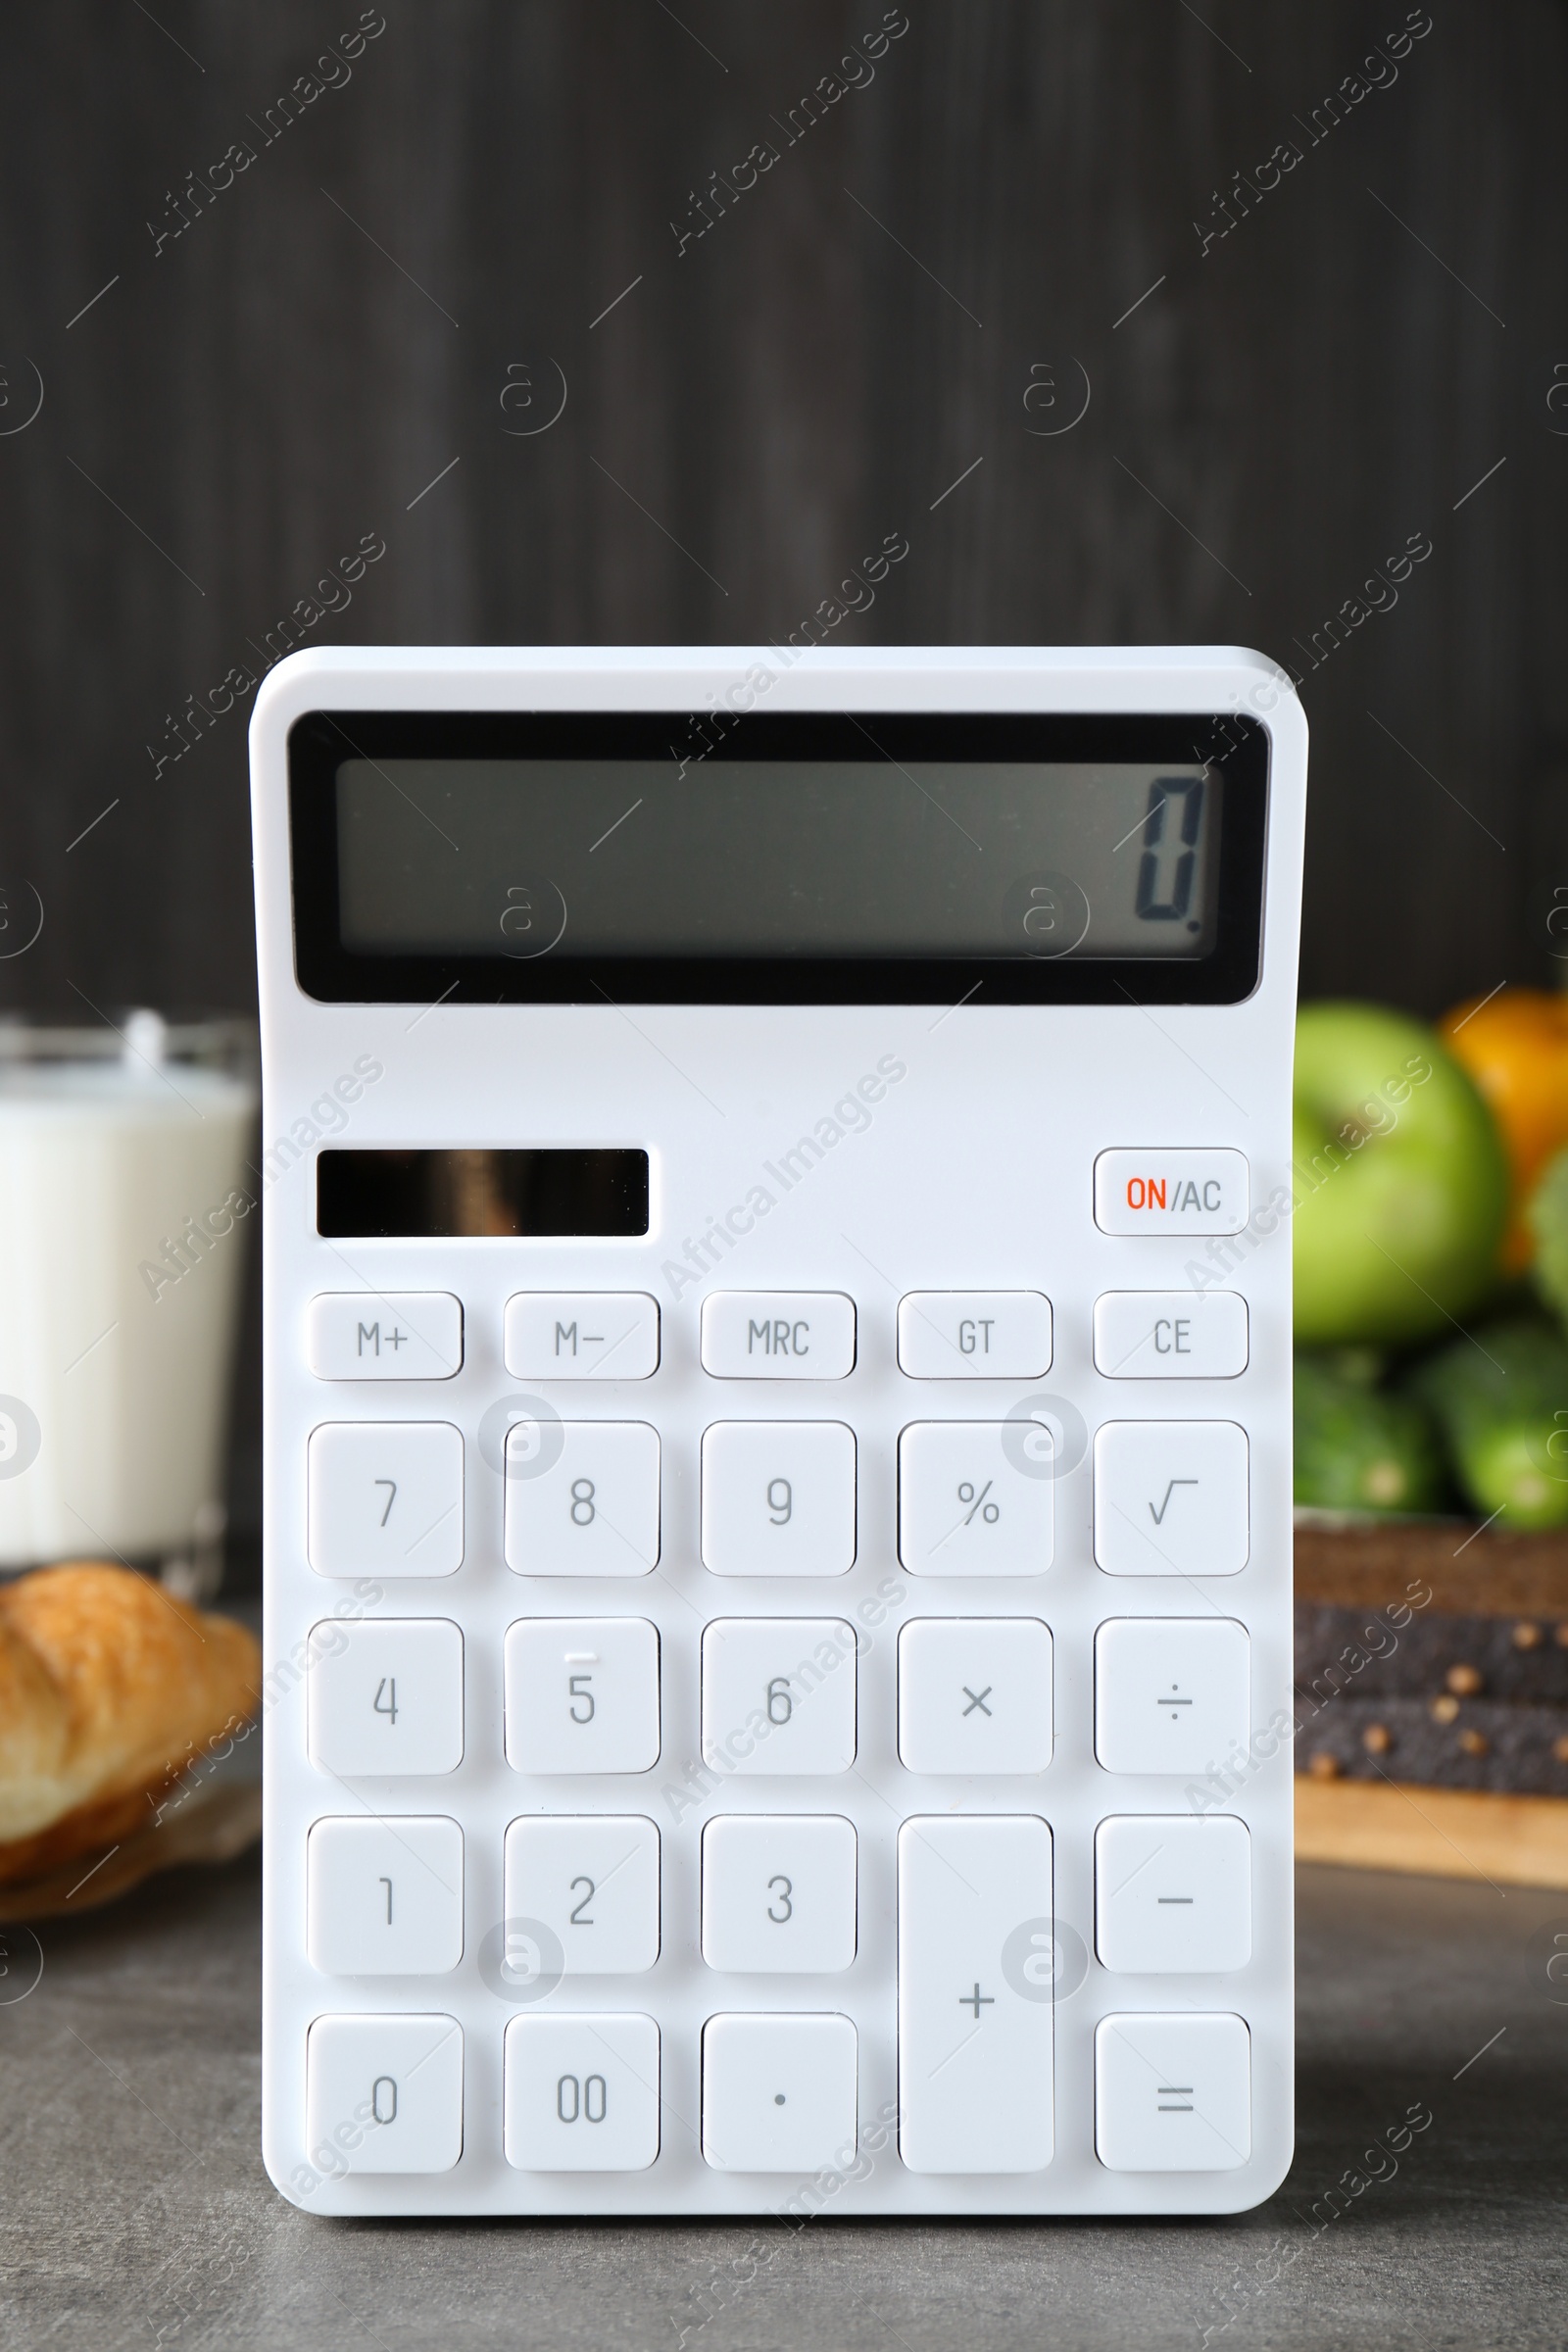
{"x":777,"y":1529}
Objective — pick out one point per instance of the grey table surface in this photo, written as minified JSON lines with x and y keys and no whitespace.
{"x":134,"y":2211}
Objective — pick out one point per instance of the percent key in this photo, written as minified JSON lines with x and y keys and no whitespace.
{"x":962,"y":1514}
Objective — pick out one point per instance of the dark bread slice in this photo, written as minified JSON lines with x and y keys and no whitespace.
{"x":1520,"y":1658}
{"x":1483,"y":1744}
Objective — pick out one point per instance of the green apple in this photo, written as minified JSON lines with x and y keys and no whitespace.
{"x":1401,"y":1181}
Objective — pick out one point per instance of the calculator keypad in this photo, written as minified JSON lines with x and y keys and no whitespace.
{"x":777,"y":1890}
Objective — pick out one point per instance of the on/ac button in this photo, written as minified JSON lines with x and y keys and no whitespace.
{"x":1171,"y":1192}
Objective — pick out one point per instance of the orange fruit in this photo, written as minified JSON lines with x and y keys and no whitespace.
{"x":1515,"y":1047}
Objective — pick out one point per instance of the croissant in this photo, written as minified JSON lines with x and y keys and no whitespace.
{"x":107,"y":1687}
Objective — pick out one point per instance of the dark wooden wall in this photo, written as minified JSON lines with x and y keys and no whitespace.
{"x":1278,"y":417}
{"x":902,"y":297}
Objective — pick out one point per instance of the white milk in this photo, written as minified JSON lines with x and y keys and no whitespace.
{"x":116,"y":1350}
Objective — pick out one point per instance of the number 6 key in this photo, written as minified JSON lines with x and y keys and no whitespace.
{"x":779,"y":1694}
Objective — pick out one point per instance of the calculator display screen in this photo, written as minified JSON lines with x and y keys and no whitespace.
{"x":813,"y":858}
{"x":776,"y":858}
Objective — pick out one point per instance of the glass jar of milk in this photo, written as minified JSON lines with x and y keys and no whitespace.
{"x":125,"y":1199}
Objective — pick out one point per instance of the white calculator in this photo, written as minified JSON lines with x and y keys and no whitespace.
{"x":777,"y":1381}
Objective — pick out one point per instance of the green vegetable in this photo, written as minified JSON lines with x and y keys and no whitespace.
{"x":1548,"y":1219}
{"x":1400,"y":1179}
{"x":1359,"y":1447}
{"x":1501,"y":1399}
